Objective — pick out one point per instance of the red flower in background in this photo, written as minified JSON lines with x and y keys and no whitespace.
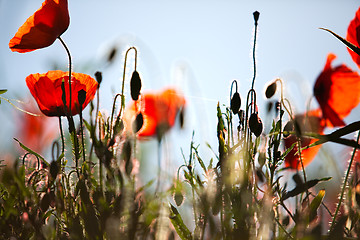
{"x":337,"y":91}
{"x":36,"y":132}
{"x":308,"y":122}
{"x":47,"y":91}
{"x":353,"y":36}
{"x":159,"y":111}
{"x":42,"y":28}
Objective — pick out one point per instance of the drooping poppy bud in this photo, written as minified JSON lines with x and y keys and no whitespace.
{"x":135,"y":86}
{"x":255,"y":124}
{"x":138,"y":123}
{"x":235,"y":103}
{"x":270,"y":90}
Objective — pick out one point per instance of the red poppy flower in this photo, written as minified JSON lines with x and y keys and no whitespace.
{"x":47,"y":91}
{"x":159,"y":111}
{"x":308,"y":122}
{"x":353,"y":36}
{"x":42,"y":28}
{"x":36,"y":132}
{"x":337,"y":91}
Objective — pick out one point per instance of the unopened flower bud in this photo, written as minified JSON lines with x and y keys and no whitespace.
{"x":270,"y":90}
{"x":98,"y":77}
{"x":135,"y":86}
{"x":81,"y":96}
{"x":138,"y":123}
{"x":255,"y":124}
{"x":256,"y":17}
{"x":235,"y":103}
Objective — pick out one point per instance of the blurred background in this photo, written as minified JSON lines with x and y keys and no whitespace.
{"x":198,"y":46}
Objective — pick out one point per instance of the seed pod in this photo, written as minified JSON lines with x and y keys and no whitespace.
{"x":54,"y":169}
{"x":255,"y":124}
{"x":138,"y":123}
{"x":235,"y":103}
{"x":256,"y":17}
{"x":135,"y":86}
{"x":270,"y":90}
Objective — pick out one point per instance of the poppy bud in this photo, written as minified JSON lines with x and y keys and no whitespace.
{"x":81,"y":97}
{"x":181,"y":117}
{"x":235,"y":103}
{"x":98,"y":77}
{"x":178,"y":197}
{"x":54,"y":169}
{"x":255,"y":124}
{"x":135,"y":86}
{"x":269,"y":106}
{"x":138,"y":123}
{"x":256,"y":17}
{"x":45,"y":202}
{"x":270,"y":90}
{"x":289,"y":126}
{"x":112,"y":55}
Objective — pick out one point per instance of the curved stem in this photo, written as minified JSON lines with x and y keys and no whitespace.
{"x":123,"y":81}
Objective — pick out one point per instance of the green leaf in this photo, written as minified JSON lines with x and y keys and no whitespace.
{"x":177,"y":222}
{"x":300,"y":188}
{"x":344,"y":41}
{"x":314,"y":205}
{"x":32,"y":152}
{"x":2,"y":91}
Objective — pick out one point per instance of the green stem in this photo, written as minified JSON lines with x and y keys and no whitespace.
{"x":344,"y":185}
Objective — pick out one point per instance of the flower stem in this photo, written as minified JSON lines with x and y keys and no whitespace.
{"x":70,"y":67}
{"x":344,"y":185}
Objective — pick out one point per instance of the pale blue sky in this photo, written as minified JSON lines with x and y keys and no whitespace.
{"x":200,"y":46}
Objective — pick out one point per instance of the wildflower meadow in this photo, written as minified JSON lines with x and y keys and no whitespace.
{"x":80,"y":168}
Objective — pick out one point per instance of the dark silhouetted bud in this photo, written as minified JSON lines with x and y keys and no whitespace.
{"x":289,"y":127}
{"x":81,"y":96}
{"x":182,"y":117}
{"x":98,"y":77}
{"x":260,"y":175}
{"x":178,"y":197}
{"x":256,"y":17}
{"x":255,"y":124}
{"x":138,"y":123}
{"x":54,"y":169}
{"x":112,"y":54}
{"x":270,"y":90}
{"x":135,"y":86}
{"x":45,"y":202}
{"x":269,"y":106}
{"x":235,"y":103}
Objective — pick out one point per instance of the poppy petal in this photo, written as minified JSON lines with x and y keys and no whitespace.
{"x":353,"y":36}
{"x":308,"y":122}
{"x":47,"y":91}
{"x":337,"y":91}
{"x":42,"y":28}
{"x":159,"y":112}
